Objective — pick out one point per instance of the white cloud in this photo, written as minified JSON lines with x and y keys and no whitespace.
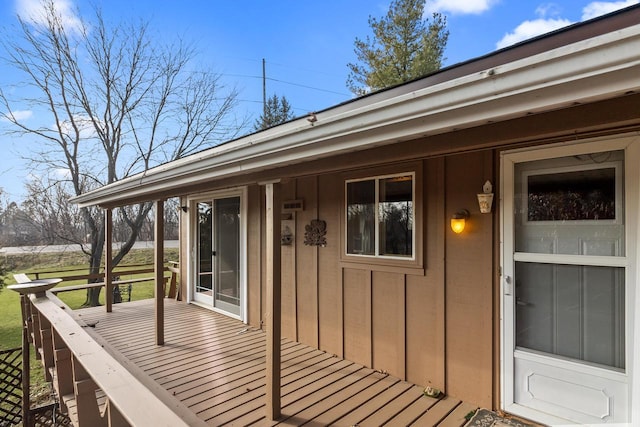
{"x":598,"y":8}
{"x":18,"y":116}
{"x":33,"y":11}
{"x":459,"y":6}
{"x":83,"y":123}
{"x":547,"y":10}
{"x":60,"y":173}
{"x":548,"y":20}
{"x":529,"y":29}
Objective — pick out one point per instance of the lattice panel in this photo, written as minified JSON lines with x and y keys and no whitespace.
{"x":10,"y":387}
{"x":49,"y":416}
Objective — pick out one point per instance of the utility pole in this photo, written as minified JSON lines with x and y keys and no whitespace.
{"x":264,"y":89}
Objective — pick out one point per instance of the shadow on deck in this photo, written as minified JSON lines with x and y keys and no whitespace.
{"x":215,"y":365}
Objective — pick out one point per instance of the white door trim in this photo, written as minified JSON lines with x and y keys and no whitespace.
{"x":631,"y":144}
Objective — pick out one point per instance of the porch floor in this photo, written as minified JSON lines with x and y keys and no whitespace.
{"x":215,"y":365}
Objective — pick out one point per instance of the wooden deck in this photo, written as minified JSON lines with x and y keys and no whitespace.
{"x":216,"y":366}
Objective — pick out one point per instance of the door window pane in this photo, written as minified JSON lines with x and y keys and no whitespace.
{"x":571,"y":205}
{"x":571,"y":311}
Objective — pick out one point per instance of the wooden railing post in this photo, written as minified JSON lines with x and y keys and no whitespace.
{"x":114,"y":417}
{"x":108,"y":259}
{"x":25,"y":307}
{"x":84,"y":390}
{"x":63,"y":383}
{"x":35,"y":331}
{"x":46,"y":345}
{"x":159,"y":270}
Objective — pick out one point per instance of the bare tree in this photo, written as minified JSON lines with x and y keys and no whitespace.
{"x":112,"y":101}
{"x":49,"y":211}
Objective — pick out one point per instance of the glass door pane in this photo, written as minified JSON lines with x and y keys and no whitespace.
{"x":571,"y":311}
{"x":571,"y":205}
{"x":227,"y":254}
{"x":204,"y":279}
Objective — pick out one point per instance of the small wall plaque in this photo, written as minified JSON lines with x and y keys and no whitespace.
{"x":315,"y":233}
{"x":293,"y":206}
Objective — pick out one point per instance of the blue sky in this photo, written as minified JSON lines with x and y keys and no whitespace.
{"x":306,"y":45}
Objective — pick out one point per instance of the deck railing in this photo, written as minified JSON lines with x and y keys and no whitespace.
{"x":94,"y":388}
{"x":96,"y":280}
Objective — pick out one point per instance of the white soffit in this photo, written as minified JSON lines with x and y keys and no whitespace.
{"x":597,"y":68}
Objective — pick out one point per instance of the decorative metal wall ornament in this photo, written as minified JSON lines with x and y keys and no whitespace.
{"x":315,"y":232}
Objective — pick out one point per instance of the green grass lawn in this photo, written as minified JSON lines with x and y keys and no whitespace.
{"x":10,"y":319}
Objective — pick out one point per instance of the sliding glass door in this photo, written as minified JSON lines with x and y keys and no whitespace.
{"x":218,"y":244}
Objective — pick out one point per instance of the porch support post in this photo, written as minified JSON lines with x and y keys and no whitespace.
{"x":159,"y":270}
{"x":26,"y":362}
{"x":108,"y":259}
{"x":273,"y":314}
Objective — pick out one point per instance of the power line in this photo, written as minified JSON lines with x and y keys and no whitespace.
{"x":304,"y":110}
{"x":306,"y":70}
{"x":286,"y":82}
{"x":308,"y":87}
{"x":291,"y":67}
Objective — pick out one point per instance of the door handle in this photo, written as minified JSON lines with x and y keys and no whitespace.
{"x":213,"y":253}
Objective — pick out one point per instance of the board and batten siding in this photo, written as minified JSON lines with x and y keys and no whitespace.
{"x":434,"y":327}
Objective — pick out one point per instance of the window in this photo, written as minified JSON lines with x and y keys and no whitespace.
{"x":380,"y":216}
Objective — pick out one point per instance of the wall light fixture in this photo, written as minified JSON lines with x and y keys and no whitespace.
{"x":459,"y":220}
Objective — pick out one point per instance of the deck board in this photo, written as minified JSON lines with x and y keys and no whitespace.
{"x":215,"y":365}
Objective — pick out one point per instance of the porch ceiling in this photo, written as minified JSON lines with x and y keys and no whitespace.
{"x":601,"y":67}
{"x":216,"y":366}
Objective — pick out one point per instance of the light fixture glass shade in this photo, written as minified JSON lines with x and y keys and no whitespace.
{"x":459,"y":221}
{"x":457,"y":225}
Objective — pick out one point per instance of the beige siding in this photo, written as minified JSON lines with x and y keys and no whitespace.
{"x":357,"y":315}
{"x":431,"y":324}
{"x":307,"y":265}
{"x":388,"y":324}
{"x":330,"y":294}
{"x":288,"y":261}
{"x":425,"y":334}
{"x":254,"y":259}
{"x":469,"y":295}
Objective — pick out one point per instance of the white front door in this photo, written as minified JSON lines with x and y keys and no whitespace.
{"x":218,"y":242}
{"x":568,"y":283}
